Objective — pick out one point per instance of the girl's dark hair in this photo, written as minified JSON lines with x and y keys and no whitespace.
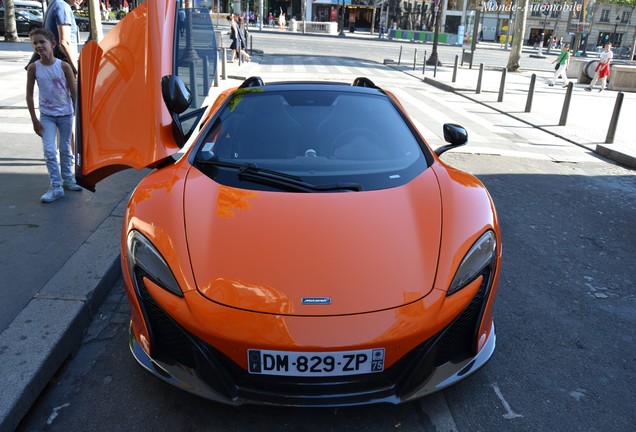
{"x":43,"y":32}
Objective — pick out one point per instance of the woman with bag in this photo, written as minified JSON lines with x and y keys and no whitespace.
{"x":561,"y":68}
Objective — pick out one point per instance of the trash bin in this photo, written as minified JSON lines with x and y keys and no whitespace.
{"x":293,"y":25}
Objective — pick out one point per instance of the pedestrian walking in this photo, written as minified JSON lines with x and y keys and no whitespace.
{"x":244,"y":36}
{"x":182,"y":21}
{"x":602,"y":70}
{"x":57,"y":92}
{"x":382,"y":29}
{"x":561,"y":68}
{"x":234,"y":37}
{"x":281,"y":20}
{"x":237,"y":44}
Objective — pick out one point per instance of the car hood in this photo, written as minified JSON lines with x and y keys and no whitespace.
{"x":313,"y":253}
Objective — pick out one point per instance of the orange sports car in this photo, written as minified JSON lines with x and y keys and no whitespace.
{"x":296,"y":243}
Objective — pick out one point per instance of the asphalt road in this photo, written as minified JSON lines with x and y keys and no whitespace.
{"x":364,"y":46}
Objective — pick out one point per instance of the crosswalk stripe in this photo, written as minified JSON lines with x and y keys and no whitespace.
{"x":439,"y":115}
{"x":459,"y":109}
{"x":15,"y":128}
{"x":431,"y":137}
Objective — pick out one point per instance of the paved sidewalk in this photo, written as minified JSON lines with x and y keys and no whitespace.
{"x":59,"y":260}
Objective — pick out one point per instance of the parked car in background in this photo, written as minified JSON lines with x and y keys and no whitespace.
{"x":37,"y":12}
{"x":83,"y":23}
{"x":25,"y":21}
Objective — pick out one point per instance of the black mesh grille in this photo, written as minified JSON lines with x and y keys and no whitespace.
{"x":169,"y":342}
{"x":458,"y":341}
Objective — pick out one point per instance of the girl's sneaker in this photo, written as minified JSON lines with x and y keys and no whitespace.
{"x":71,"y":185}
{"x":54,"y":193}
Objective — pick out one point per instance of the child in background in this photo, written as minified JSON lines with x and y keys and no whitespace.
{"x":56,"y":85}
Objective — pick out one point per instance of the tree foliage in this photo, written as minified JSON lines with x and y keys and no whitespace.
{"x":628,"y":3}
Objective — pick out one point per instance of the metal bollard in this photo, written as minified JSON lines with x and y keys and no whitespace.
{"x":224,"y":63}
{"x":609,"y":139}
{"x":216,"y":70}
{"x":400,"y":56}
{"x":479,"y":77}
{"x":533,"y":80}
{"x":415,"y":58}
{"x":435,"y":67}
{"x":566,"y":105}
{"x":251,"y":50}
{"x":206,"y":73}
{"x":502,"y":85}
{"x":455,"y":68}
{"x":193,"y":85}
{"x":424,"y":64}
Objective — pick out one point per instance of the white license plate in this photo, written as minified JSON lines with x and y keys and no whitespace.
{"x":291,"y":363}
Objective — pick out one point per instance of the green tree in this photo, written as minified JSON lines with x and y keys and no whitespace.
{"x":10,"y":29}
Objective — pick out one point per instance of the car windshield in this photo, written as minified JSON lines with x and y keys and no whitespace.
{"x":322,"y":138}
{"x":29,"y":15}
{"x":32,"y":12}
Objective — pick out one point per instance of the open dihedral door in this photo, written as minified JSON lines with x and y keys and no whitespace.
{"x":122,"y":121}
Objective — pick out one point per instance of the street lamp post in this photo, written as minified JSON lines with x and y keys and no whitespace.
{"x":614,"y":38}
{"x":342,"y":33}
{"x":546,"y":11}
{"x":586,"y":30}
{"x":433,"y":59}
{"x":509,"y":29}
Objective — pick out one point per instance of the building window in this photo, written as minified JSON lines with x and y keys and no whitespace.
{"x":605,"y":15}
{"x":626,"y":16}
{"x":535,"y":10}
{"x":556,"y":10}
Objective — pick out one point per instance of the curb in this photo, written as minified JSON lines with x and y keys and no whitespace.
{"x":615,"y":154}
{"x":34,"y":346}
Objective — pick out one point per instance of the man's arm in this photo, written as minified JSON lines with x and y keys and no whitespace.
{"x":64,"y":30}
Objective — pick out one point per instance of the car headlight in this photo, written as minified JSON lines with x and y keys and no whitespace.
{"x":142,"y":254}
{"x":480,"y":255}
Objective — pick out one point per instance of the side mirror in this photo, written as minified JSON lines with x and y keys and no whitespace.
{"x":176,"y":94}
{"x":177,"y":98}
{"x":454,"y":134}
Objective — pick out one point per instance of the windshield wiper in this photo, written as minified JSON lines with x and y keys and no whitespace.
{"x":249,"y":171}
